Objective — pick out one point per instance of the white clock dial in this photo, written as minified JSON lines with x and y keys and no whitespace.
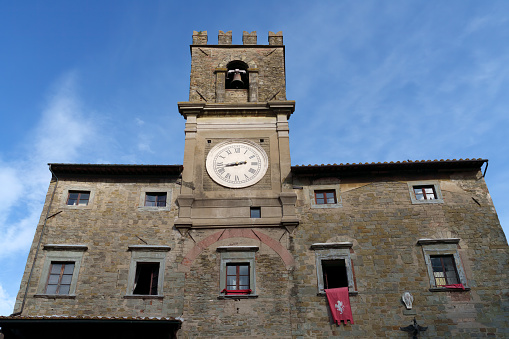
{"x":237,"y":163}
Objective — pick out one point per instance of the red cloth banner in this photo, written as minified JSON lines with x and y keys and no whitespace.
{"x":455,"y":286}
{"x":339,"y":303}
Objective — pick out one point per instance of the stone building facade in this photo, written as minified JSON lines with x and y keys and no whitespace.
{"x":239,"y":243}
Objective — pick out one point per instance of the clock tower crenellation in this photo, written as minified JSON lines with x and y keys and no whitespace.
{"x":236,"y":154}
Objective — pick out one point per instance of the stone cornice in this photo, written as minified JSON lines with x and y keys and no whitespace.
{"x":271,"y":108}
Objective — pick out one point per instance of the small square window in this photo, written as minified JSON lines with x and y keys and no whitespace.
{"x":60,"y":278}
{"x":325,"y":197}
{"x":256,"y":212}
{"x":237,"y":278}
{"x":146,"y":278}
{"x":155,"y":199}
{"x":78,"y":198}
{"x":425,"y":192}
{"x":444,"y":270}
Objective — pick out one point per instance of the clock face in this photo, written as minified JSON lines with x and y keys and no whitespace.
{"x":237,"y":163}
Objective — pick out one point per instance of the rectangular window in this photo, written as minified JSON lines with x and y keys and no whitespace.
{"x":237,"y":273}
{"x":443,"y":263}
{"x":325,"y":197}
{"x":334,"y":266}
{"x":425,"y":192}
{"x":256,"y":212}
{"x":444,"y":270}
{"x":155,"y":199}
{"x":60,"y":278}
{"x":237,"y":277}
{"x":146,"y":278}
{"x":78,"y":198}
{"x":334,"y":273}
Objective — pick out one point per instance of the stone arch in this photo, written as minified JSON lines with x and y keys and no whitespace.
{"x":276,"y":246}
{"x":249,"y":61}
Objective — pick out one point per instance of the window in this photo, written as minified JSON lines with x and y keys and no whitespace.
{"x":325,"y":197}
{"x":237,"y":272}
{"x":60,"y":277}
{"x":146,"y":271}
{"x":425,"y":192}
{"x":155,"y":199}
{"x":444,"y":270}
{"x":443,"y":263}
{"x":78,"y":198}
{"x":334,"y":266}
{"x":334,"y":273}
{"x":256,"y":212}
{"x":237,"y":277}
{"x":146,"y":279}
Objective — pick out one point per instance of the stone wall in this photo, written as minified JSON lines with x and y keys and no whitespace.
{"x":375,"y":214}
{"x":112,"y":221}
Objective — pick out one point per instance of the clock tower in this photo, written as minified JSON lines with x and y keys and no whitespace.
{"x":237,"y":155}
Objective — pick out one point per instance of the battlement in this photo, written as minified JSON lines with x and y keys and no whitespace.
{"x":225,"y":38}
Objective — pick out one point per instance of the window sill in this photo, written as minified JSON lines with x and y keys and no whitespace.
{"x":425,"y":202}
{"x":77,"y":207}
{"x":154,"y":208}
{"x":55,"y":296}
{"x":326,"y":205}
{"x":142,"y":296}
{"x":238,"y":296}
{"x":349,"y":293}
{"x":444,"y":289}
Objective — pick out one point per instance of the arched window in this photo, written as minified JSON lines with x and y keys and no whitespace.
{"x":237,"y":76}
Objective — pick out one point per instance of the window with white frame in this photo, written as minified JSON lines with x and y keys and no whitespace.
{"x":425,"y":192}
{"x":334,"y":266}
{"x":443,"y":263}
{"x":59,"y":276}
{"x":237,"y":271}
{"x":146,"y":271}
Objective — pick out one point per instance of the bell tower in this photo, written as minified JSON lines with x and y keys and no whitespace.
{"x":237,"y":155}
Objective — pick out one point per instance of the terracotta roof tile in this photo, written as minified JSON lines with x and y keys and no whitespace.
{"x":395,"y":166}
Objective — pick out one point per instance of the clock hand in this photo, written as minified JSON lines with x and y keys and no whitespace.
{"x":236,"y":163}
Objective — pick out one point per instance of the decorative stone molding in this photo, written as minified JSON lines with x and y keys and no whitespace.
{"x":336,"y":245}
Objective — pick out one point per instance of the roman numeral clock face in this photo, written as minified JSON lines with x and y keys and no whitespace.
{"x":237,"y":164}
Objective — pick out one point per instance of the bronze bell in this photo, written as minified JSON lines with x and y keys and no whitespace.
{"x":237,"y":80}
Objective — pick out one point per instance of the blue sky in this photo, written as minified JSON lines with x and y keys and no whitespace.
{"x":99,"y":82}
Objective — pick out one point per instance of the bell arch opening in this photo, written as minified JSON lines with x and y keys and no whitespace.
{"x":237,"y":76}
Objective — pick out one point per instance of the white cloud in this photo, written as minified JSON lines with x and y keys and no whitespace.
{"x":6,"y":302}
{"x":61,"y":132}
{"x":62,"y":129}
{"x":11,"y":186}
